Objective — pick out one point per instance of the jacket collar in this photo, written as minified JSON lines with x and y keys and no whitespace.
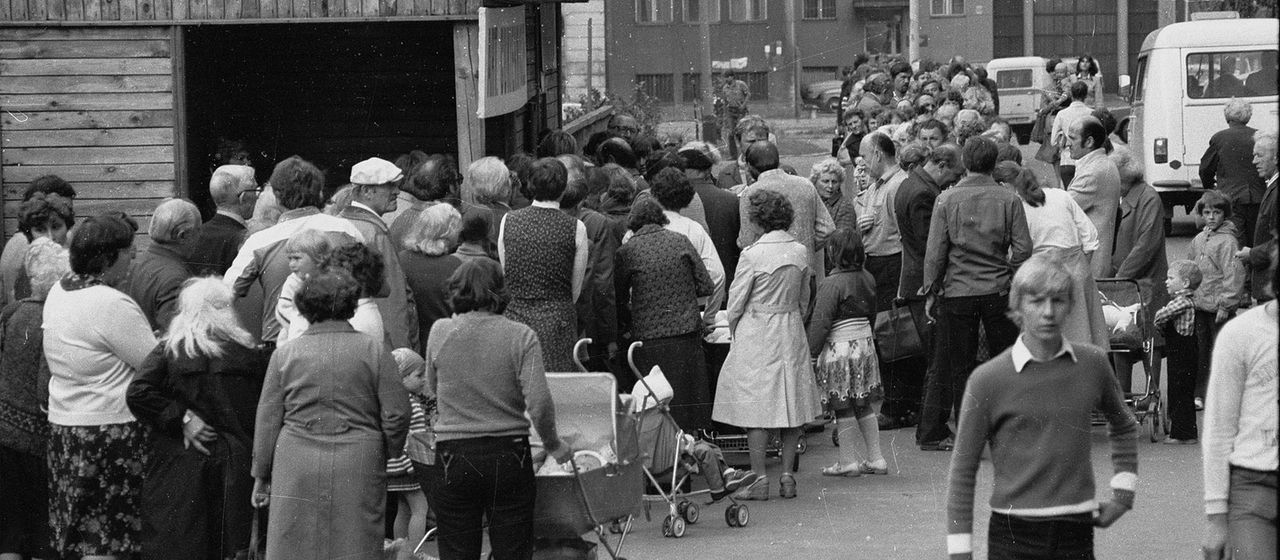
{"x":777,"y":236}
{"x":335,"y":326}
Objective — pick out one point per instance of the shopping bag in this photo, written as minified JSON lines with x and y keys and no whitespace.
{"x":1047,"y":152}
{"x":896,"y":335}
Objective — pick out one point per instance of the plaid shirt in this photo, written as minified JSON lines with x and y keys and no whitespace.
{"x":1182,"y":311}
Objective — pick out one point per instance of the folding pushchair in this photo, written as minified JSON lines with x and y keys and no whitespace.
{"x":1133,"y":335}
{"x":666,"y":445}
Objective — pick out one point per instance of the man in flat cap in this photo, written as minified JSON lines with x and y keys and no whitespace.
{"x":375,"y":181}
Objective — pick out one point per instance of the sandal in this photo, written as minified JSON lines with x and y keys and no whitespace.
{"x":866,"y":467}
{"x":851,"y":470}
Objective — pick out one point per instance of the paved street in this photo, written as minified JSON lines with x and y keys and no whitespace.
{"x":902,"y":515}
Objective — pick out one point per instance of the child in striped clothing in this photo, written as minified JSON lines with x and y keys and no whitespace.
{"x":412,"y":513}
{"x":1178,"y":319}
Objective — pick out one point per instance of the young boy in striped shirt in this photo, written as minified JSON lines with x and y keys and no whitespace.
{"x":1032,"y":404}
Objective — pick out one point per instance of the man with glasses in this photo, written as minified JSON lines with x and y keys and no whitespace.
{"x":625,"y":126}
{"x":234,"y":190}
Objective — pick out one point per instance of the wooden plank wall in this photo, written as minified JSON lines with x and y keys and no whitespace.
{"x":183,"y":11}
{"x":93,"y":106}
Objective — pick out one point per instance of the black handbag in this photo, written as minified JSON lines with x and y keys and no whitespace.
{"x":896,"y":335}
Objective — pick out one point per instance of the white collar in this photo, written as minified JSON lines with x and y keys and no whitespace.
{"x":1022,"y":354}
{"x":237,"y":217}
{"x":359,"y":204}
{"x":552,"y":204}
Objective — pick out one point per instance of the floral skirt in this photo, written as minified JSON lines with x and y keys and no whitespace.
{"x":848,"y":370}
{"x":95,"y":489}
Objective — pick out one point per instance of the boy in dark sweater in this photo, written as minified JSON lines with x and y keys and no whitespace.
{"x":1032,"y":404}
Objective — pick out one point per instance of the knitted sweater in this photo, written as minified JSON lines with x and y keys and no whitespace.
{"x":1037,"y":421}
{"x":1240,"y":415}
{"x":24,"y":378}
{"x":486,"y":393}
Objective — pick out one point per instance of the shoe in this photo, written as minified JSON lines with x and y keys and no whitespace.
{"x":758,"y":490}
{"x":1199,"y":403}
{"x":733,"y":480}
{"x":868,"y":467}
{"x":787,"y":486}
{"x":1175,"y":441}
{"x":851,"y":470}
{"x":945,"y":445}
{"x":887,"y":423}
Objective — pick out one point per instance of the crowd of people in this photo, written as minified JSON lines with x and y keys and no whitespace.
{"x":367,"y":358}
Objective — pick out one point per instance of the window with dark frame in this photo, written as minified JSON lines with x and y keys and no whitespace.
{"x":654,"y":11}
{"x":946,"y":8}
{"x":819,"y":9}
{"x":661,"y":87}
{"x":748,"y":10}
{"x":693,"y":11}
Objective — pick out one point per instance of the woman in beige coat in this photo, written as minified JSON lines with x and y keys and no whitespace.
{"x":332,"y":408}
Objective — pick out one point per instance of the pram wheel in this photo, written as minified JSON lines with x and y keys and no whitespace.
{"x":673,"y":526}
{"x":737,"y":515}
{"x":689,"y":511}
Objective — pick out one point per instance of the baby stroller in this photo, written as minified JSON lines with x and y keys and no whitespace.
{"x":1132,"y":333}
{"x":667,"y":446}
{"x":600,"y":490}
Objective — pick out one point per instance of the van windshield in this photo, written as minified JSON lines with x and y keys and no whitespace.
{"x":1140,"y":82}
{"x":1221,"y":75}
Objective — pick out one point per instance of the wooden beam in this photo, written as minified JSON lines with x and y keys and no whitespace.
{"x":85,"y":84}
{"x":86,"y":101}
{"x":100,"y":190}
{"x":57,"y":120}
{"x":87,"y":67}
{"x":84,"y":49}
{"x":90,"y":155}
{"x":106,"y":172}
{"x":180,"y":146}
{"x":466,"y":59}
{"x":86,"y":137}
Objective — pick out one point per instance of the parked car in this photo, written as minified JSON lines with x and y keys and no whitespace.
{"x":824,"y":94}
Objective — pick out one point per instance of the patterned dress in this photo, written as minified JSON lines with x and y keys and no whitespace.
{"x":539,"y":246}
{"x":840,"y":337}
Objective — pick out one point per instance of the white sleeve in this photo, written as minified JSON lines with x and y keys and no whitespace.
{"x":580,"y":256}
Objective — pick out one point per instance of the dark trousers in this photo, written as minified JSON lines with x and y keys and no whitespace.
{"x":483,"y":478}
{"x":1207,"y":328}
{"x":24,"y":519}
{"x":1182,"y":352}
{"x":1245,"y":217}
{"x":1068,"y":537}
{"x":955,"y":352}
{"x":1251,"y":514}
{"x":1067,"y":172}
{"x":899,"y":376}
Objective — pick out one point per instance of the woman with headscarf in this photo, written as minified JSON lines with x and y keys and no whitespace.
{"x":95,"y":340}
{"x":198,"y":391}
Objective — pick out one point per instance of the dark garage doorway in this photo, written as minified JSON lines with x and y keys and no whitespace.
{"x":334,"y":94}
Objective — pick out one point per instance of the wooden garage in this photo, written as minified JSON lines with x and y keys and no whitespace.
{"x":130,"y":100}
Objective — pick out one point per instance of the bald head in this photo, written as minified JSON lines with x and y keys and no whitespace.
{"x":174,"y":221}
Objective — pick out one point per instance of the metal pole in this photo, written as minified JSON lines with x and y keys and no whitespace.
{"x":1028,"y":27}
{"x":790,"y":31}
{"x":913,"y":31}
{"x":590,"y":57}
{"x":704,"y":64}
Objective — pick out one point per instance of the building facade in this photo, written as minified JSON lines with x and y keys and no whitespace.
{"x":656,"y":42}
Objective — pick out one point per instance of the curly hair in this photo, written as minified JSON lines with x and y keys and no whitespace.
{"x":97,"y":242}
{"x":39,"y":212}
{"x":477,"y":285}
{"x":645,"y":212}
{"x":362,"y":263}
{"x":770,"y":210}
{"x":828,"y":165}
{"x":331,"y":296}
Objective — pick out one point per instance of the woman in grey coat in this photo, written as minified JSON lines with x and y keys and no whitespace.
{"x":331,"y":410}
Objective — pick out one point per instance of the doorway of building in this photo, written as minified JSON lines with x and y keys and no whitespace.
{"x":332,"y":93}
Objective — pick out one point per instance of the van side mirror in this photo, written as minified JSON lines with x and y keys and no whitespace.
{"x":1125,"y":90}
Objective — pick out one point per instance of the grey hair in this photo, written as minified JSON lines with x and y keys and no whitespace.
{"x":229,"y":181}
{"x":828,"y":165}
{"x":488,"y":180}
{"x":1237,"y":111}
{"x":1130,"y":168}
{"x":435,"y":231}
{"x":1268,"y":136}
{"x":173,"y":220}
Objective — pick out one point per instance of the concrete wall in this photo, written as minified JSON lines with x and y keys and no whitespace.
{"x":968,"y":35}
{"x":574,"y":56}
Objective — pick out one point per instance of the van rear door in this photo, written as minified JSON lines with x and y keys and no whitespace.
{"x":1019,"y":97}
{"x":1213,"y":77}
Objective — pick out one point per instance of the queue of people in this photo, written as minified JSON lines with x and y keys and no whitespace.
{"x":310,"y":349}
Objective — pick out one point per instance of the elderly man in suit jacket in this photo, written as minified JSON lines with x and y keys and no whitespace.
{"x":376,"y":191}
{"x":1227,"y":167}
{"x":812,"y":224}
{"x":719,"y":205}
{"x":1095,"y":187}
{"x":233,"y":189}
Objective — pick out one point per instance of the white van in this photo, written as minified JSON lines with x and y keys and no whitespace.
{"x":1021,"y":82}
{"x":1186,"y":74}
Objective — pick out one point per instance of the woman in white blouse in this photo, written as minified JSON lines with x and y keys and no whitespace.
{"x":1059,"y":227}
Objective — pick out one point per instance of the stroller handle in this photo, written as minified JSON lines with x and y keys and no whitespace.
{"x":577,"y":353}
{"x":631,"y":361}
